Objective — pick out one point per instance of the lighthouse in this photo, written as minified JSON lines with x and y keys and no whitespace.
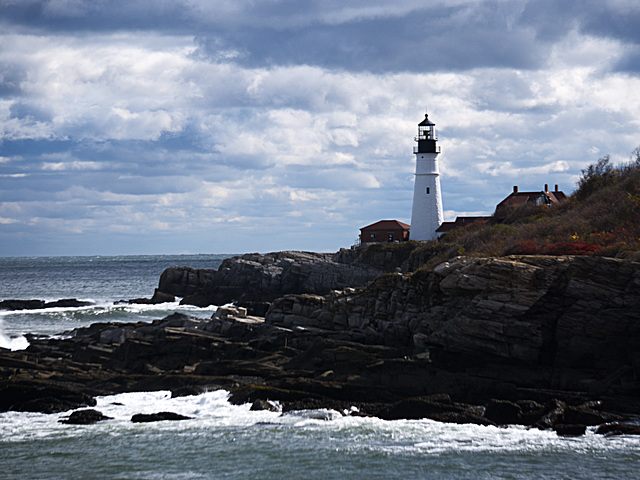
{"x":426,"y":214}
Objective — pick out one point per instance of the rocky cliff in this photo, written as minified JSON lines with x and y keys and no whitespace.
{"x":262,"y":278}
{"x":558,"y":322}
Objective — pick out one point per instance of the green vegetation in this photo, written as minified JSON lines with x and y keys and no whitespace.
{"x":602,"y":217}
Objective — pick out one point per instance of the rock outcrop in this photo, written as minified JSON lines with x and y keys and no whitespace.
{"x":262,"y":278}
{"x":551,"y":342}
{"x":566,"y":322}
{"x":37,"y":304}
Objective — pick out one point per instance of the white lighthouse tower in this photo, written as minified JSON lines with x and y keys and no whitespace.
{"x":426,"y":214}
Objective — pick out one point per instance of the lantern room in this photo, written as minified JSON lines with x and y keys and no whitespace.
{"x":426,"y":137}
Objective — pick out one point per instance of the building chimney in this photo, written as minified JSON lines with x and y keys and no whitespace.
{"x":515,"y":189}
{"x":556,"y":188}
{"x":546,"y":187}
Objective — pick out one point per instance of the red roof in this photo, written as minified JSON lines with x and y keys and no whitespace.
{"x":387,"y":225}
{"x":519,"y":198}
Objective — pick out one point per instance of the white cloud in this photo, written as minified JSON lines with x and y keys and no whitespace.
{"x":75,"y":165}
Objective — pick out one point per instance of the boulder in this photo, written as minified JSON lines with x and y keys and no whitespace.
{"x":261,"y":404}
{"x":84,"y":417}
{"x":503,"y":412}
{"x":583,"y":414}
{"x":570,"y":430}
{"x":157,"y":417}
{"x":67,"y":303}
{"x":554,"y":414}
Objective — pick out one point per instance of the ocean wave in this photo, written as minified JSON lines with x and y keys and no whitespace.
{"x":60,"y":320}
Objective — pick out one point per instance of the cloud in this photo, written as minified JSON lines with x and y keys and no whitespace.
{"x":245,"y":125}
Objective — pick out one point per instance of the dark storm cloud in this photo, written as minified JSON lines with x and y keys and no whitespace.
{"x":422,"y":39}
{"x":607,"y":19}
{"x":353,"y":37}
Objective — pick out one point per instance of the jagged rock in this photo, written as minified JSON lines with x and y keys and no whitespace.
{"x":531,"y":411}
{"x":554,"y":415}
{"x":585,"y":415}
{"x":259,"y":278}
{"x":157,"y":417}
{"x":158,"y":297}
{"x":84,"y":417}
{"x":503,"y":412}
{"x":572,"y":318}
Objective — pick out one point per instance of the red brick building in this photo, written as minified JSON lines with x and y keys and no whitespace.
{"x":384,"y":231}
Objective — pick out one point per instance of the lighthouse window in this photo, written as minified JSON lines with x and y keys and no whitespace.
{"x":427,"y":190}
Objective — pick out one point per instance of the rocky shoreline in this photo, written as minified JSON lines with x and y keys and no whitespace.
{"x":548,"y":342}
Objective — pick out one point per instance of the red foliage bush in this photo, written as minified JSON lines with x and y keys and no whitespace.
{"x":558,"y":248}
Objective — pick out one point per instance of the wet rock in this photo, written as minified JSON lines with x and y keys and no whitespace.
{"x":461,"y":418}
{"x":188,"y":390}
{"x":618,"y":428}
{"x":570,"y":430}
{"x":21,"y":304}
{"x":36,"y":304}
{"x":158,"y":417}
{"x":84,"y":417}
{"x":264,"y":405}
{"x":431,"y":407}
{"x":413,"y":409}
{"x":582,"y":414}
{"x":553,"y":415}
{"x":42,"y":397}
{"x":158,"y":297}
{"x":503,"y":412}
{"x":250,"y":393}
{"x":531,"y":411}
{"x":67,"y":303}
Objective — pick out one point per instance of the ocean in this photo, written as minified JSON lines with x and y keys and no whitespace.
{"x":225,"y":441}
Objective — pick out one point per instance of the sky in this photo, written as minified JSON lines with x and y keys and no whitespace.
{"x":231,"y":126}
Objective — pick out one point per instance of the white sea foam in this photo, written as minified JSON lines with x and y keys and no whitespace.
{"x":13,"y":343}
{"x":259,"y":444}
{"x":18,"y":342}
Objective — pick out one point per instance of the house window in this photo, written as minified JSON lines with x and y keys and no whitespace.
{"x":427,"y":190}
{"x":373,"y":236}
{"x":390,"y":237}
